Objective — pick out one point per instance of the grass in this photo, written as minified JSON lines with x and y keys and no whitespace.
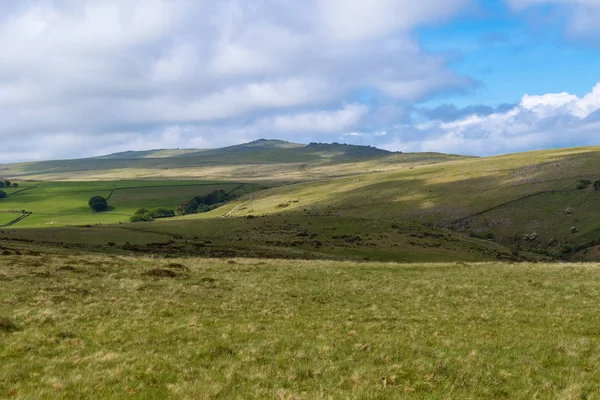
{"x":441,"y":194}
{"x":6,"y":217}
{"x":487,"y":196}
{"x":265,"y":165}
{"x":84,"y":326}
{"x":130,"y":200}
{"x":66,"y":203}
{"x":299,"y":237}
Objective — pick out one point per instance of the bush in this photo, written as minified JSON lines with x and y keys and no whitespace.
{"x":98,"y":203}
{"x":200,"y":204}
{"x":143,"y":214}
{"x":3,"y":194}
{"x":583,"y":184}
{"x":139,"y":218}
{"x":597,"y":185}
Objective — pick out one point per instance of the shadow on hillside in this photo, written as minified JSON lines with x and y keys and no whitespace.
{"x":416,"y":197}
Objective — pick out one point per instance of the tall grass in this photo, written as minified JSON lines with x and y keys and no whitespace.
{"x":117,"y":327}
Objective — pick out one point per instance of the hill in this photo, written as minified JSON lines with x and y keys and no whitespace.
{"x":383,"y":206}
{"x":268,"y":160}
{"x":529,"y":200}
{"x":157,"y":153}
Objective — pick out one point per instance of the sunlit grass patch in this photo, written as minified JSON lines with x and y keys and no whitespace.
{"x":101,"y":327}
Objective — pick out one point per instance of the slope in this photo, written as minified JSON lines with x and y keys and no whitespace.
{"x":268,"y":160}
{"x":505,"y":197}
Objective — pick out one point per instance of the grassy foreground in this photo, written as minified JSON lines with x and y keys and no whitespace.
{"x":91,"y":326}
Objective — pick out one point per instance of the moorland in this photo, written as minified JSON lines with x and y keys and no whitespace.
{"x":301,"y":271}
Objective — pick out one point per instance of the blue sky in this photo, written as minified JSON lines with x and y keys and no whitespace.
{"x":479,"y":77}
{"x":511,"y":54}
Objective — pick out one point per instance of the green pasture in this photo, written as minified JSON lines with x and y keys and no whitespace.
{"x":131,"y":200}
{"x":66,"y":203}
{"x":7,"y":217}
{"x":84,"y":326}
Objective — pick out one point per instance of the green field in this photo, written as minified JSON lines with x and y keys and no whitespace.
{"x":66,"y":203}
{"x":84,"y":326}
{"x":6,"y":217}
{"x":337,"y":272}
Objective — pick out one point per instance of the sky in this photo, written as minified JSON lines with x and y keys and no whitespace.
{"x":83,"y":78}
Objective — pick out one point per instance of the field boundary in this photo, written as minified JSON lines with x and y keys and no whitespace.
{"x":21,"y":190}
{"x":18,"y":219}
{"x":462,"y":219}
{"x":175,"y":186}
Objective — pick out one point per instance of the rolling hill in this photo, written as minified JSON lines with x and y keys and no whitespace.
{"x":267,"y":160}
{"x":384,"y":205}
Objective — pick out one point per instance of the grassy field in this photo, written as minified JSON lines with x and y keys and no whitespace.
{"x":66,"y":203}
{"x":444,"y":193}
{"x":84,"y":326}
{"x":506,"y":199}
{"x":7,"y":217}
{"x":299,"y":237}
{"x":258,"y":164}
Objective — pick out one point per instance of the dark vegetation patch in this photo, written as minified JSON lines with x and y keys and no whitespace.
{"x":67,"y":268}
{"x":8,"y":325}
{"x":177,"y":267}
{"x":161,"y":273}
{"x":66,"y":335}
{"x":201,"y":204}
{"x":144,"y":215}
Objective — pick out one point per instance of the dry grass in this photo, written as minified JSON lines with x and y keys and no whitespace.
{"x":99,"y":327}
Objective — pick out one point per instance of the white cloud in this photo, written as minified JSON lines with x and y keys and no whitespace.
{"x":550,"y":120}
{"x":124,"y":70}
{"x":314,"y":122}
{"x":360,"y":19}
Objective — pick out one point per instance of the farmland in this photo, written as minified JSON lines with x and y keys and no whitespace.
{"x":66,"y":203}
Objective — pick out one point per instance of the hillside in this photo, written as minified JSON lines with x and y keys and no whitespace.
{"x":505,"y":198}
{"x":383,"y":206}
{"x":268,"y":160}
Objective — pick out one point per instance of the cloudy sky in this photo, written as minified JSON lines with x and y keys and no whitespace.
{"x":89,"y":77}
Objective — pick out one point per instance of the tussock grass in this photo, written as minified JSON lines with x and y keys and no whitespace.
{"x":297,"y":329}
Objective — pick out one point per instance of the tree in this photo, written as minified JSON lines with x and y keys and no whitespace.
{"x":15,"y":185}
{"x":98,"y":203}
{"x":597,"y":185}
{"x":1,"y":184}
{"x":143,"y":214}
{"x":2,"y":194}
{"x":7,"y":184}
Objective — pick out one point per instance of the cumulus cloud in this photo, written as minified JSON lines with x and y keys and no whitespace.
{"x":121,"y":73}
{"x":536,"y":122}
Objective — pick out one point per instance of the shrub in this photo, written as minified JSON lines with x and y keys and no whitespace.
{"x":143,"y":214}
{"x":98,"y":203}
{"x":583,"y":184}
{"x":200,"y":204}
{"x":139,"y":218}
